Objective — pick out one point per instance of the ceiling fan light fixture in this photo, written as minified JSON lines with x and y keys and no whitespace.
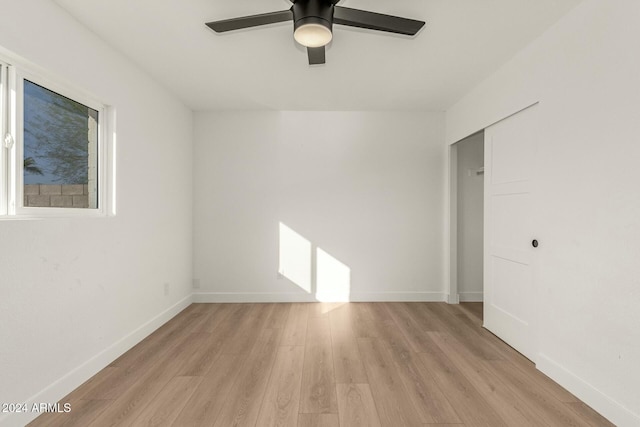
{"x":313,"y":35}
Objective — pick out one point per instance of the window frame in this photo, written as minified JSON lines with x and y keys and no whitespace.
{"x":4,"y":185}
{"x":11,"y":159}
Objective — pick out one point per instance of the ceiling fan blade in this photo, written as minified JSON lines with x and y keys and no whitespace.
{"x":316,"y":55}
{"x":250,"y":21}
{"x":376,"y":21}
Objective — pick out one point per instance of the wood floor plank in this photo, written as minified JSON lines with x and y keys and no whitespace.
{"x":247,"y":331}
{"x":588,"y":415}
{"x":517,"y":359}
{"x":199,"y":363}
{"x":547,"y":384}
{"x":442,"y":425}
{"x":426,"y":319}
{"x":206,"y":403}
{"x":429,"y":401}
{"x":431,"y":404}
{"x":415,"y":336}
{"x":549,"y":410}
{"x":464,"y":327}
{"x":131,"y":373}
{"x":528,"y":368}
{"x":281,"y":400}
{"x":392,"y":399}
{"x":98,"y":380}
{"x":278,"y":317}
{"x":222,"y":317}
{"x":295,"y":329}
{"x":131,"y":402}
{"x":470,"y":406}
{"x":153,"y":346}
{"x":202,"y":360}
{"x":199,"y":319}
{"x":245,"y":397}
{"x":109,"y":385}
{"x":362,"y":320}
{"x":474,"y":310}
{"x":458,"y":325}
{"x":318,"y":393}
{"x":322,"y":309}
{"x":346,"y":356}
{"x":318,"y":420}
{"x":237,"y":313}
{"x":168,"y":404}
{"x":83,"y":412}
{"x":386,"y":327}
{"x":534,"y":375}
{"x":356,"y":406}
{"x":511,"y":409}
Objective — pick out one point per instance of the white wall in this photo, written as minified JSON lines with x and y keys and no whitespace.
{"x":585,"y":72}
{"x":470,"y":197}
{"x":76,"y":289}
{"x":367,"y":188}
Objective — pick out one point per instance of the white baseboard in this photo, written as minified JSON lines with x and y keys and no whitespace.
{"x":471,"y":296}
{"x":399,"y":297}
{"x":69,"y":382}
{"x":603,"y":404}
{"x":239,"y":297}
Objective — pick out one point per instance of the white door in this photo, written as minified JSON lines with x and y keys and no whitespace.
{"x":509,"y":261}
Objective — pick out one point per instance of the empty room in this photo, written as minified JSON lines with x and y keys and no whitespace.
{"x":320,"y":213}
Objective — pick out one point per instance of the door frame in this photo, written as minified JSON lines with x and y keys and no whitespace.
{"x":451,"y":222}
{"x":451,"y":226}
{"x":451,"y":211}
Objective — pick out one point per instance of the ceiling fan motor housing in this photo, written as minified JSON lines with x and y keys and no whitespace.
{"x":319,"y":12}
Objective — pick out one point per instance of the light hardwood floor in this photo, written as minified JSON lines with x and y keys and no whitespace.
{"x":323,"y":365}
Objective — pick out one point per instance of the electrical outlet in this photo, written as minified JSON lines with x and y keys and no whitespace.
{"x":196,"y":283}
{"x":166,"y":289}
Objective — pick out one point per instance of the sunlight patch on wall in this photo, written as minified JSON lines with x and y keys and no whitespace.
{"x":333,"y":278}
{"x":295,"y":258}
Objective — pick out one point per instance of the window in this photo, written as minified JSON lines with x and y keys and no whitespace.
{"x":53,"y":160}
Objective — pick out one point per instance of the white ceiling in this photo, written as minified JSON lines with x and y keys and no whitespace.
{"x":463,"y":42}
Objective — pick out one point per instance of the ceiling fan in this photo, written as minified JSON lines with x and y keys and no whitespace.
{"x":313,"y":23}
